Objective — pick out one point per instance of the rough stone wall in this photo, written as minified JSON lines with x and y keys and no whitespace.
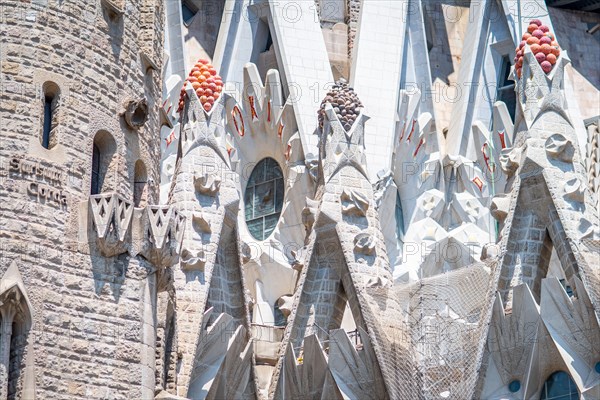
{"x":87,"y":309}
{"x":151,"y":34}
{"x":560,"y":241}
{"x":321,"y":291}
{"x":226,"y":292}
{"x":166,"y":354}
{"x":526,"y":243}
{"x":533,"y":231}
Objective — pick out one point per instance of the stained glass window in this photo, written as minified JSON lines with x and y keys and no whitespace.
{"x":264,"y":198}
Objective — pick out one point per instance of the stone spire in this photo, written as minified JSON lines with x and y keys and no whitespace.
{"x":345,"y":254}
{"x":208,"y":279}
{"x":548,"y":204}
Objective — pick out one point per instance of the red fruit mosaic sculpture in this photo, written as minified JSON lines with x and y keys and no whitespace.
{"x":542,"y":44}
{"x":205,"y":81}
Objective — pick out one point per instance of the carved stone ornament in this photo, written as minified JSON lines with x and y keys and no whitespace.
{"x":560,"y":148}
{"x":499,"y":207}
{"x":308,"y":214}
{"x":193,"y":260}
{"x":136,"y":113}
{"x":375,"y":281}
{"x":246,"y":252}
{"x":249,"y":299}
{"x":285,"y":303}
{"x":354,"y":203}
{"x":509,"y":160}
{"x":364,"y":244}
{"x":200,"y":223}
{"x":490,"y":251}
{"x":297,"y":263}
{"x":312,"y":164}
{"x":207,"y":184}
{"x":574,"y":189}
{"x":163,"y":234}
{"x":587,"y":230}
{"x":111,"y":215}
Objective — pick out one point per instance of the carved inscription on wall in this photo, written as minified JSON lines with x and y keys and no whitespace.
{"x":46,"y":181}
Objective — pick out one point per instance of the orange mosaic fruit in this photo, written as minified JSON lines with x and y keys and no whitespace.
{"x":542,"y":44}
{"x":205,"y":81}
{"x":546,"y":49}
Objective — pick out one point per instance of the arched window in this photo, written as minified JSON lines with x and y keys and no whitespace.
{"x":103,"y":159}
{"x":51,"y":94}
{"x":15,"y":324}
{"x":263,"y":199}
{"x":95,"y":170}
{"x":559,"y":386}
{"x":140,"y":185}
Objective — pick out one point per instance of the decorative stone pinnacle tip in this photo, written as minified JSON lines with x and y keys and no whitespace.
{"x":334,"y":119}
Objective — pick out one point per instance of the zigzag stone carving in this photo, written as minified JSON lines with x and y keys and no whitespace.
{"x":111,"y":216}
{"x":154,"y":232}
{"x":163,"y":229}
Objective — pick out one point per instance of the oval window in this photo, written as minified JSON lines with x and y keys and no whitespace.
{"x":263,"y":198}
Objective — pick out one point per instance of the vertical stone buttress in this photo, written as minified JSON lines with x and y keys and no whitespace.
{"x":344,"y":255}
{"x":208,"y":281}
